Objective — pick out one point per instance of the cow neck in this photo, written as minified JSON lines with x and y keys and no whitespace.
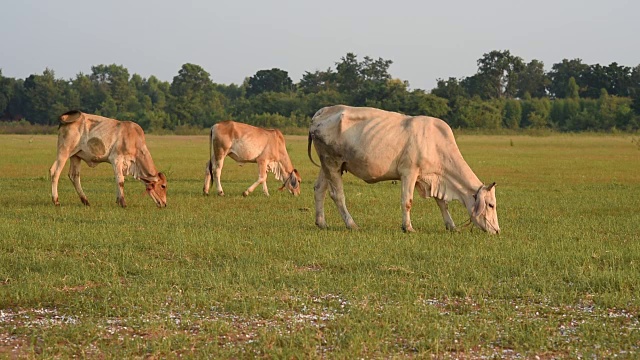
{"x":144,"y":168}
{"x":286,"y":167}
{"x":465,"y":184}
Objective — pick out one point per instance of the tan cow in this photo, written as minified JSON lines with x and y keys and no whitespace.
{"x":245,"y":143}
{"x":377,"y":145}
{"x":96,"y":139}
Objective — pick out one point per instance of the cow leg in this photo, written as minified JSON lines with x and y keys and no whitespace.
{"x":54,"y":173}
{"x":408,"y":186}
{"x":217,"y":173}
{"x":119,"y":175}
{"x":74,"y":176}
{"x":262,"y":179}
{"x":208,"y":179}
{"x":336,"y":191}
{"x":444,"y":208}
{"x":320,"y":191}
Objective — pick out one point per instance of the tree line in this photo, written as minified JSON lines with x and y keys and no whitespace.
{"x":505,"y":92}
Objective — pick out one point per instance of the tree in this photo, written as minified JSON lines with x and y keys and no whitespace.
{"x":561,"y":73}
{"x":533,"y":79}
{"x":634,"y":89}
{"x":44,"y":98}
{"x":274,"y":80}
{"x":449,"y":89}
{"x":607,"y":109}
{"x":572,"y":89}
{"x":475,"y":114}
{"x":6,"y":93}
{"x":317,"y":81}
{"x":189,"y":90}
{"x":620,"y":79}
{"x":499,"y":72}
{"x":512,"y":114}
{"x":348,"y":74}
{"x":112,"y":81}
{"x":420,"y":103}
{"x":536,"y":113}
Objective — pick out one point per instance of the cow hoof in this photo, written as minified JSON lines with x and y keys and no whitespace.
{"x":245,"y":194}
{"x":408,"y":230}
{"x":85,"y":201}
{"x":322,"y":226}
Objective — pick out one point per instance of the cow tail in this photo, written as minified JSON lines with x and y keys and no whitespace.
{"x":309,"y":149}
{"x":211,"y":153}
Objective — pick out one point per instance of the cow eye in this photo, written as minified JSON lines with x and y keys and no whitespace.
{"x":491,"y":206}
{"x":163,"y":186}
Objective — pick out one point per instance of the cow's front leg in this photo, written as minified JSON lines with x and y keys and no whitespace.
{"x":444,"y":209}
{"x":408,"y":186}
{"x":320,"y":191}
{"x":119,"y":175}
{"x":262,"y":179}
{"x":336,"y":191}
{"x":54,"y":173}
{"x":74,"y":176}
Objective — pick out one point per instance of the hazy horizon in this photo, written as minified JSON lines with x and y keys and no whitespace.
{"x":234,"y":40}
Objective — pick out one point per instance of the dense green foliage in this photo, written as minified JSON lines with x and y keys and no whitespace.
{"x":236,"y":278}
{"x":506,"y":92}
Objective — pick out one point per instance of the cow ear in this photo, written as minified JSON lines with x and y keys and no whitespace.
{"x":162,"y":177}
{"x":479,"y":206}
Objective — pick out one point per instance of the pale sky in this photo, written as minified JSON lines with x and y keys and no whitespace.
{"x":234,"y":39}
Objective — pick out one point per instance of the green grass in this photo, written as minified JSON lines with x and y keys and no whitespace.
{"x":234,"y":277}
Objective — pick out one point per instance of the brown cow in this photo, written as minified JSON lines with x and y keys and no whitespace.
{"x":96,"y":139}
{"x":245,"y":143}
{"x":377,"y":145}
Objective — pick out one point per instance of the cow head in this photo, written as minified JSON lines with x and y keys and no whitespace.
{"x":484,"y":213}
{"x":292,"y":183}
{"x":158,"y":190}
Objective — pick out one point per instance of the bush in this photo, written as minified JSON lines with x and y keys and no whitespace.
{"x":25,"y":127}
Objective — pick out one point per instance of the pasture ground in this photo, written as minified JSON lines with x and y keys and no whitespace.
{"x":234,"y":277}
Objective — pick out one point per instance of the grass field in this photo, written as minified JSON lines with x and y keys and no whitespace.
{"x":234,"y":277}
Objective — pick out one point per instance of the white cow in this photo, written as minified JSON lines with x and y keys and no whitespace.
{"x":246,"y":143}
{"x":377,"y":145}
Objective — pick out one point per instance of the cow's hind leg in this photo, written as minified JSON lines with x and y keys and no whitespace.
{"x":408,"y":186}
{"x":119,"y":175}
{"x":217,"y":173}
{"x":54,"y":173}
{"x":444,"y":209}
{"x":320,"y":191}
{"x":208,"y":179}
{"x":336,"y":191}
{"x":262,"y":179}
{"x":74,"y":176}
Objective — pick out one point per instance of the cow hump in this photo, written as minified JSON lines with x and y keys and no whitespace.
{"x":70,"y":116}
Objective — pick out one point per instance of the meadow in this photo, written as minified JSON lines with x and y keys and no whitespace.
{"x":234,"y":277}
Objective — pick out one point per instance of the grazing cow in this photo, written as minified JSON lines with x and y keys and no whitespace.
{"x":96,"y":139}
{"x":377,"y":145}
{"x":245,"y":143}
